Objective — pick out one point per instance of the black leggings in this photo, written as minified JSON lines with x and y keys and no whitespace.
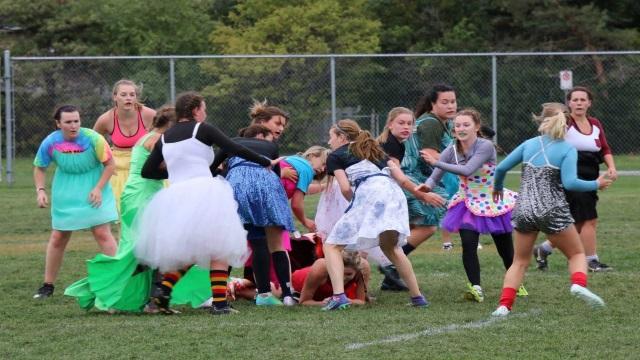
{"x":470,"y":239}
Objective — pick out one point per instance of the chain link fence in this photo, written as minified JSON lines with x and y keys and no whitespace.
{"x":317,"y":90}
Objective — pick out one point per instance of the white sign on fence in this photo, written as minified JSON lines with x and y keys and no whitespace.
{"x":566,"y":80}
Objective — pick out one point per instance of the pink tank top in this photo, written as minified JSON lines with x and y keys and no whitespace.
{"x":126,"y":142}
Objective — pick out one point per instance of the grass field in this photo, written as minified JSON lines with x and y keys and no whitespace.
{"x":549,"y":324}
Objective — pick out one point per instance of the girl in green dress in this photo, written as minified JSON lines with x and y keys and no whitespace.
{"x":81,"y":197}
{"x":118,"y":282}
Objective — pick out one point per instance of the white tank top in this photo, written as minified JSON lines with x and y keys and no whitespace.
{"x":187,"y":159}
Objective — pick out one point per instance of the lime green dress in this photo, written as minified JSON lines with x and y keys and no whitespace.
{"x":119,"y":282}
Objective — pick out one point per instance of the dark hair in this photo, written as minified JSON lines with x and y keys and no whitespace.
{"x":260,"y":112}
{"x":425,"y":104}
{"x":186,"y":103}
{"x":580,"y":88}
{"x":57,"y":113}
{"x":254,"y":130}
{"x":165,"y":115}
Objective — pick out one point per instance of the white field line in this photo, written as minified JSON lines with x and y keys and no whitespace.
{"x":441,"y":330}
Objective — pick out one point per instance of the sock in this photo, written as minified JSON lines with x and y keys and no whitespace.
{"x":546,"y":246}
{"x":408,"y":248}
{"x":170,"y":279}
{"x":261,"y":264}
{"x":592,"y":257}
{"x":283,"y":271}
{"x":579,"y":278}
{"x":219,"y":288}
{"x":508,"y":297}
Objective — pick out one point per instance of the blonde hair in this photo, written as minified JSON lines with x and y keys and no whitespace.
{"x":552,"y":120}
{"x":317,"y":151}
{"x":137,"y":88}
{"x":393,"y":114}
{"x":363,"y":145}
{"x":352,"y":259}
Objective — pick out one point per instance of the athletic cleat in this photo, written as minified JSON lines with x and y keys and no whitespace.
{"x":419,"y":301}
{"x":447,"y":246}
{"x":337,"y":303}
{"x":541,"y":258}
{"x":268,"y":300}
{"x":474,"y":293}
{"x":392,"y":280}
{"x":45,"y":291}
{"x":522,"y":292}
{"x":161,"y":296}
{"x":587,"y":296}
{"x":226,"y":310}
{"x":596,"y":266}
{"x":501,"y":311}
{"x":289,"y":301}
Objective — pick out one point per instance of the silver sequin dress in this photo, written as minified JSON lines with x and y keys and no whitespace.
{"x":541,"y":204}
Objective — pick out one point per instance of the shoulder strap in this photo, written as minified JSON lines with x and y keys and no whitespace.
{"x":195,"y":129}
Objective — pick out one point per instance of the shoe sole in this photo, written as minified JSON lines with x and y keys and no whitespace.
{"x":591,"y":299}
{"x":340,"y":307}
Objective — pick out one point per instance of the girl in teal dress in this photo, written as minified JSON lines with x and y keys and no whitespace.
{"x":81,"y":196}
{"x":118,"y":282}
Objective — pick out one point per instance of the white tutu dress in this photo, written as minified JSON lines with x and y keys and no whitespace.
{"x":194,"y":220}
{"x":378,"y":205}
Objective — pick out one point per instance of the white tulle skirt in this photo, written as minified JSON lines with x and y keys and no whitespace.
{"x":191,"y":222}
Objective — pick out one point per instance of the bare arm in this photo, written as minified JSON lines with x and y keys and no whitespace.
{"x":611,"y":165}
{"x":39,"y":179}
{"x":103,"y":126}
{"x":297,"y":206}
{"x":343,"y":182}
{"x":317,"y":276}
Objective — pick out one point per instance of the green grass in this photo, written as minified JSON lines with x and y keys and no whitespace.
{"x":550,"y":323}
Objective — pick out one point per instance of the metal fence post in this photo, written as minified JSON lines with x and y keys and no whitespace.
{"x":494,"y":96}
{"x":333,"y":90}
{"x":8,"y":116}
{"x":172,"y":79}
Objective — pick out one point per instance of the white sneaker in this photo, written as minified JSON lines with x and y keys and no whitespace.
{"x":501,"y":311}
{"x":289,"y":301}
{"x":587,"y":296}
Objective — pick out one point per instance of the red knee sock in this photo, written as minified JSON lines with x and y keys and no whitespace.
{"x":579,"y":278}
{"x":508,"y":297}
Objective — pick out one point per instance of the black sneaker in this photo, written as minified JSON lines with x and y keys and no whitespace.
{"x":392,"y":278}
{"x":226,"y":310}
{"x":541,"y":258}
{"x":45,"y":291}
{"x":160,"y":297}
{"x":388,"y":285}
{"x":597,"y":266}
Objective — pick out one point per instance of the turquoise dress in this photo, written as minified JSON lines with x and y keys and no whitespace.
{"x":418,"y":171}
{"x":78,"y":169}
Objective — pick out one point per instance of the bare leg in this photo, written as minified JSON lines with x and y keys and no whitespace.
{"x":420,"y":234}
{"x":388,"y":242}
{"x":335,"y":266}
{"x":522,"y":246}
{"x":105,"y":240}
{"x":568,"y":241}
{"x":588,"y":236}
{"x":55,"y":253}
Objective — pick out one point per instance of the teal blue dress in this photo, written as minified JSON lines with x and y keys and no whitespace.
{"x":418,"y":171}
{"x":78,"y":170}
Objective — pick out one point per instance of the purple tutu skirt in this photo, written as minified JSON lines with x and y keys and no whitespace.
{"x":459,"y":217}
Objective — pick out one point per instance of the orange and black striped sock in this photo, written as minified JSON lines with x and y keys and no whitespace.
{"x":170,"y":279}
{"x":219,"y":288}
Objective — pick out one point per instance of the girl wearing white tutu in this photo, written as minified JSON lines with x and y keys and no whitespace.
{"x":377,"y":214}
{"x":195,"y":219}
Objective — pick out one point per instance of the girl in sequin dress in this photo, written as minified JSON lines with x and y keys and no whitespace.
{"x":549,"y":164}
{"x":471,"y":211}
